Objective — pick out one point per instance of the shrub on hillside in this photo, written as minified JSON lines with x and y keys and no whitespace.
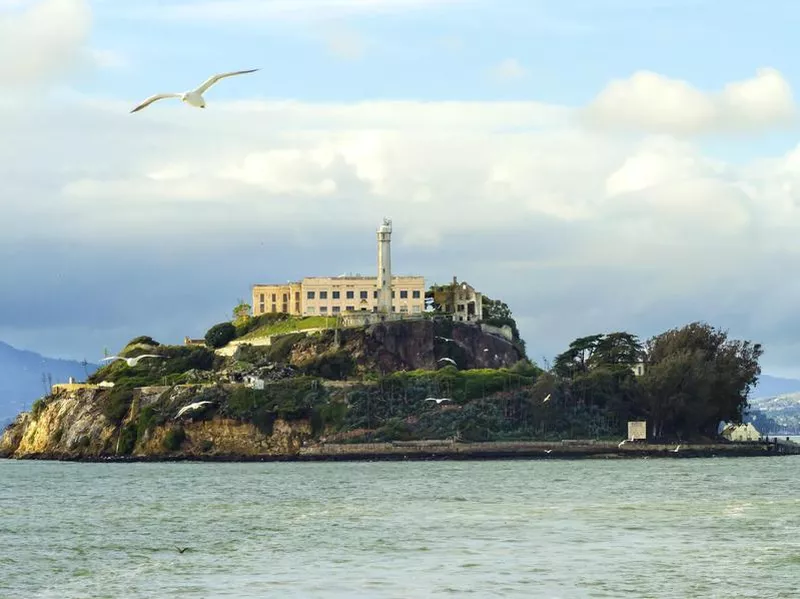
{"x":174,"y":438}
{"x":116,"y":403}
{"x":335,"y":366}
{"x":220,"y":335}
{"x":281,"y":347}
{"x":142,"y":340}
{"x":256,"y":322}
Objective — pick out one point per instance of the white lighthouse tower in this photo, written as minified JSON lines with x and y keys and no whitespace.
{"x":385,"y":267}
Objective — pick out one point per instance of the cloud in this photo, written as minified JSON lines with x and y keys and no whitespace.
{"x":654,"y":103}
{"x":256,"y":10}
{"x":509,"y":70}
{"x":156,"y":222}
{"x":41,"y":39}
{"x":107,"y":59}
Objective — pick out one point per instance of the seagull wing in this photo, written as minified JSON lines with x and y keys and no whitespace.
{"x":109,"y":358}
{"x":152,"y":99}
{"x":214,"y":78}
{"x":149,"y":356}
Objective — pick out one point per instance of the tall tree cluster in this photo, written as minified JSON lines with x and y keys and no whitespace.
{"x":693,"y":377}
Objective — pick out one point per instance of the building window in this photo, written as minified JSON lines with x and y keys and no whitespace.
{"x":335,"y":295}
{"x":374,"y":308}
{"x":273,"y":297}
{"x":286,"y":297}
{"x":261,"y":298}
{"x":404,"y":294}
{"x":350,"y":309}
{"x":310,"y":309}
{"x":261,"y":307}
{"x":297,"y":308}
{"x":350,"y":294}
{"x":285,"y":308}
{"x":323,"y":295}
{"x":323,"y":309}
{"x":274,"y":308}
{"x":374,"y":295}
{"x":364,"y":295}
{"x":335,"y":309}
{"x":415,"y":294}
{"x":310,"y":295}
{"x":297,"y":296}
{"x":404,"y":308}
{"x":392,"y":293}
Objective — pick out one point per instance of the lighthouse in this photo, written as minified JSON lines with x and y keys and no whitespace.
{"x":385,"y":267}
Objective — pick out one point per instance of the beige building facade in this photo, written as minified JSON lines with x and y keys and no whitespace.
{"x":330,"y":296}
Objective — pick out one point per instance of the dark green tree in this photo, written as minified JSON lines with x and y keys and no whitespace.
{"x":220,"y":334}
{"x":696,"y":377}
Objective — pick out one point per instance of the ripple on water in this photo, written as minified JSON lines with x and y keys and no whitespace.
{"x":663,"y":528}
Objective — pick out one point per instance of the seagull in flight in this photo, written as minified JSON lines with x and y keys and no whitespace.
{"x":676,"y":449}
{"x":451,"y":360}
{"x":130,"y":361}
{"x":191,"y":406}
{"x":192,"y":97}
{"x":546,"y":399}
{"x":181,"y":549}
{"x":437,"y":399}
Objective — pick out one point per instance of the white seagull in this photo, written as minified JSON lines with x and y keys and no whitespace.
{"x":621,"y":443}
{"x":444,"y":338}
{"x":676,"y":449}
{"x":131,"y":361}
{"x":546,"y":399}
{"x":437,"y":399}
{"x":192,"y":97}
{"x":451,"y":360}
{"x":192,"y":406}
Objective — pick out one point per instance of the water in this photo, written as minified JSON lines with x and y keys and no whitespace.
{"x":680,"y":528}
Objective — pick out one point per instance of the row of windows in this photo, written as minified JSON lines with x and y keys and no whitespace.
{"x":285,"y":297}
{"x":337,"y":309}
{"x":415,"y":294}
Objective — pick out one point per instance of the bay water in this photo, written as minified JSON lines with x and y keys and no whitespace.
{"x":683,"y":528}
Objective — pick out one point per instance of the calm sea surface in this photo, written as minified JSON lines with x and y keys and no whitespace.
{"x":684,"y":528}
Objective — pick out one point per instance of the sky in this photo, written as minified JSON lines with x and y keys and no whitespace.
{"x":600,"y":165}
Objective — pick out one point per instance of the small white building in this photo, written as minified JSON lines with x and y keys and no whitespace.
{"x":741,"y":432}
{"x":253,"y":382}
{"x":637,"y":430}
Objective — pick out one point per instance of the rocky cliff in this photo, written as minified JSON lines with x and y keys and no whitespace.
{"x":271,"y":400}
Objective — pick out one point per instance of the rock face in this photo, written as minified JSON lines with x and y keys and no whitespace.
{"x":72,"y":425}
{"x":410,"y":345}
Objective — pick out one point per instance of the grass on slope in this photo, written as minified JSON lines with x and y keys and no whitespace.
{"x":291,"y":325}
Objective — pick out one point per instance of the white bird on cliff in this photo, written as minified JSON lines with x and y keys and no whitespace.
{"x":451,"y":360}
{"x":444,"y":338}
{"x":192,"y":97}
{"x":191,"y":406}
{"x":547,"y":398}
{"x":621,"y":443}
{"x":131,"y":361}
{"x":438,"y":400}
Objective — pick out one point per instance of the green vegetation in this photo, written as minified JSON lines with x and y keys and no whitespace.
{"x":38,"y":407}
{"x":286,"y":324}
{"x":220,"y":335}
{"x":174,"y":438}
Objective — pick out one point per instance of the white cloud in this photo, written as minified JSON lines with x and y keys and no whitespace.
{"x":107,"y":59}
{"x":41,"y":39}
{"x":580,"y":231}
{"x":651,"y":102}
{"x":509,"y":70}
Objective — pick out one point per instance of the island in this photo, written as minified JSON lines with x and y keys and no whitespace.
{"x":277,"y":386}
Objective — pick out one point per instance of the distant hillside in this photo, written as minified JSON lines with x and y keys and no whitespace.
{"x":770,"y":386}
{"x":21,"y":377}
{"x":779,"y":414}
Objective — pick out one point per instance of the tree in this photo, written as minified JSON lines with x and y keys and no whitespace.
{"x":220,"y":335}
{"x":241,"y":312}
{"x":494,"y":309}
{"x":696,"y":377}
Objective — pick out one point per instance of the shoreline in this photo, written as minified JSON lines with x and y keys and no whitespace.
{"x":432,"y":451}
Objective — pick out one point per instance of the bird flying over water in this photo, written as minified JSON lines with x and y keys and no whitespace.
{"x":192,"y":97}
{"x":130,"y":361}
{"x":181,"y":549}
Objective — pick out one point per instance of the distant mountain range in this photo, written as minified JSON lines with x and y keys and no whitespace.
{"x":25,"y":376}
{"x":770,"y":386}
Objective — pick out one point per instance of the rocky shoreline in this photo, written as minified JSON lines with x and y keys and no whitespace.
{"x":439,"y":451}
